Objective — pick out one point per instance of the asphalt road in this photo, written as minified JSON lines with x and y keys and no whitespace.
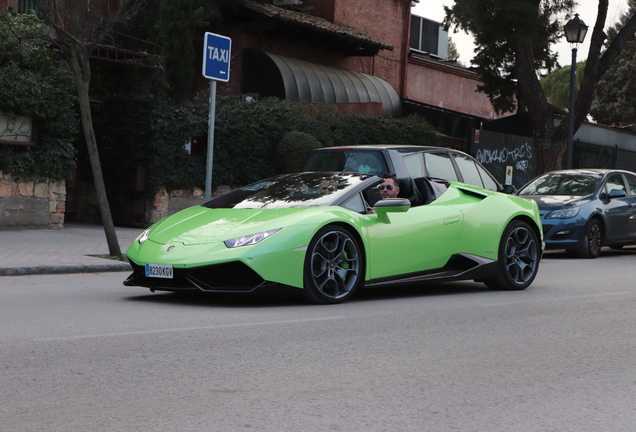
{"x":84,"y":353}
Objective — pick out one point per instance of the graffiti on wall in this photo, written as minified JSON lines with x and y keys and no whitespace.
{"x":510,"y":158}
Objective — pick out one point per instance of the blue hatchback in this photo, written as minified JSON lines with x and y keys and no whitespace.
{"x":585,"y":209}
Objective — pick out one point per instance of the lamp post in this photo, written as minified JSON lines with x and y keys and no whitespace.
{"x":575,"y":31}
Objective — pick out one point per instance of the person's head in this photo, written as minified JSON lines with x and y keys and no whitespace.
{"x":390,"y":187}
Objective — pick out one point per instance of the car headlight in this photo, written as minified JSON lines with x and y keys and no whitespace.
{"x":563,"y":213}
{"x":249,"y":240}
{"x":144,"y":236}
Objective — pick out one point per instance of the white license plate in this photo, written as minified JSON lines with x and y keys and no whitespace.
{"x":159,"y":271}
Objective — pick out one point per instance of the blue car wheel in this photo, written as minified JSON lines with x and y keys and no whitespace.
{"x":592,"y":241}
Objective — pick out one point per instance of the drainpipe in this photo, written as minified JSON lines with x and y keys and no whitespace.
{"x":405,"y":41}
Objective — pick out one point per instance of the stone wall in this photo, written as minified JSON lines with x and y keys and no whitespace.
{"x":167,"y":203}
{"x":26,"y":204}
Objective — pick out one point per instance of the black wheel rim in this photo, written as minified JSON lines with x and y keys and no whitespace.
{"x":522,"y":255}
{"x":594,"y":239}
{"x":335,"y":265}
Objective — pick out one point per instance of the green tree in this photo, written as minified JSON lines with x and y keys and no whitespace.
{"x":453,"y":54}
{"x":178,"y":26}
{"x":615,"y":98}
{"x":513,"y":39}
{"x":556,"y":85}
{"x":33,"y":83}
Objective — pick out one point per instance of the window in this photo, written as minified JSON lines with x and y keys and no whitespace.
{"x":489,"y":183}
{"x":631,"y":183}
{"x":414,"y":165}
{"x":439,"y":165}
{"x":468,"y":169}
{"x":356,"y":204}
{"x":424,"y":35}
{"x":615,"y":182}
{"x":25,"y":6}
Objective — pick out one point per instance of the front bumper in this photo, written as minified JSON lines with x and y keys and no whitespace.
{"x":227,"y":277}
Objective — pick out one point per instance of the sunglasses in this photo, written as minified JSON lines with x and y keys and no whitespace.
{"x":388,"y":187}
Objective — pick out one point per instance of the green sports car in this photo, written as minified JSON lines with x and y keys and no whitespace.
{"x":317,"y":231}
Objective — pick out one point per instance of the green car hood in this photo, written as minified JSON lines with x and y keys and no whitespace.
{"x":199,"y":225}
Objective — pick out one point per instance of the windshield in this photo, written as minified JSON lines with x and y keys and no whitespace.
{"x":362,"y":161}
{"x":563,"y":184}
{"x":291,"y":190}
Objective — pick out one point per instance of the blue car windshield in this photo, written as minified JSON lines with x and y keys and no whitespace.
{"x":563,"y":184}
{"x":290,"y":190}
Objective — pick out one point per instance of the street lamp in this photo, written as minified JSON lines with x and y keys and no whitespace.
{"x":575,"y":31}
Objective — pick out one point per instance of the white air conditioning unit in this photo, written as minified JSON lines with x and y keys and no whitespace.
{"x":287,"y":2}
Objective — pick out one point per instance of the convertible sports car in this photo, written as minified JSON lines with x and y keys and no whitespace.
{"x":316,"y":231}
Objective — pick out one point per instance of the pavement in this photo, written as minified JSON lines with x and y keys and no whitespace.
{"x":76,"y":248}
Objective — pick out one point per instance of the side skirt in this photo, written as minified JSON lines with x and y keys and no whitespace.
{"x":459,"y":267}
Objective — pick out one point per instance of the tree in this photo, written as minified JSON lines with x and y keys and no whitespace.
{"x":615,"y":97}
{"x":513,"y":39}
{"x":556,"y":85}
{"x":79,"y":27}
{"x":453,"y":54}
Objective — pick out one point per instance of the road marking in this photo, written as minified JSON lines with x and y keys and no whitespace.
{"x":186,"y":329}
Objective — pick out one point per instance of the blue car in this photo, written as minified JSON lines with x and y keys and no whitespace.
{"x":584,"y":209}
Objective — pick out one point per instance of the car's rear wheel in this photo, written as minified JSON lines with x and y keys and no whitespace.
{"x":593,"y":240}
{"x":519,"y":255}
{"x":334,"y":266}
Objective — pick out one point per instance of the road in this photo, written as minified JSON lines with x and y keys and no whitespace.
{"x":84,"y":353}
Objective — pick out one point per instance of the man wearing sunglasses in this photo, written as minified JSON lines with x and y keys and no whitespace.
{"x":390,"y":187}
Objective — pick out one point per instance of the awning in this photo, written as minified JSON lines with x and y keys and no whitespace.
{"x":296,"y":80}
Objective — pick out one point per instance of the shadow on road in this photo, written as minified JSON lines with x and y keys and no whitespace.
{"x":294,"y":297}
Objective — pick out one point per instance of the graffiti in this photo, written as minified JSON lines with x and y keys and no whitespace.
{"x":522,"y":165}
{"x":523,"y":152}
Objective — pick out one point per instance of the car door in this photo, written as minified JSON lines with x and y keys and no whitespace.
{"x":619,"y":212}
{"x":631,"y":191}
{"x":420,"y":239}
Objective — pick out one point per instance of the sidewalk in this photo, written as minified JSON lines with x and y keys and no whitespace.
{"x":77,"y":248}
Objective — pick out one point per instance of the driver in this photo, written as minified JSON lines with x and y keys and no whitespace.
{"x":388,"y":189}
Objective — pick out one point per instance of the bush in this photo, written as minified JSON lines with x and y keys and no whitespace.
{"x":32,"y":84}
{"x":294,"y":149}
{"x":258,"y":138}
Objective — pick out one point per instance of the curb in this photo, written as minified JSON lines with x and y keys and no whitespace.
{"x":70,"y":269}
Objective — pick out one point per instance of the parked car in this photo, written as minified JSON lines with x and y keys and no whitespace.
{"x":314,"y":231}
{"x":585,"y":209}
{"x":405,"y":161}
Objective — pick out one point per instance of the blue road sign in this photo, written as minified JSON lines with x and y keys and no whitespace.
{"x":216,"y":57}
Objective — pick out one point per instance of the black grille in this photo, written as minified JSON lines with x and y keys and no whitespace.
{"x":228,"y":277}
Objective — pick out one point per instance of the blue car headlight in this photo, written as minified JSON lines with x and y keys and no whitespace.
{"x":563,"y":213}
{"x":249,"y":240}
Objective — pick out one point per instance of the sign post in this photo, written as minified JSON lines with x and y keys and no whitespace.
{"x":216,"y":67}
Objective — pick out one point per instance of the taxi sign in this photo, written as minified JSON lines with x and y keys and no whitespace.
{"x":216,"y":57}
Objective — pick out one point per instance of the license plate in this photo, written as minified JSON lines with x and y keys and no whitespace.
{"x":159,"y":271}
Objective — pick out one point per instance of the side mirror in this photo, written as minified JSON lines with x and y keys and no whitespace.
{"x":617,"y":193}
{"x":509,"y":189}
{"x":391,"y":205}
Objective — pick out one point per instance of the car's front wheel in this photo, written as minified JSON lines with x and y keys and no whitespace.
{"x":518,"y":258}
{"x":334,"y":266}
{"x":593,"y":240}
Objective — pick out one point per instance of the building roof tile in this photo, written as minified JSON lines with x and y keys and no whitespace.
{"x":291,"y":17}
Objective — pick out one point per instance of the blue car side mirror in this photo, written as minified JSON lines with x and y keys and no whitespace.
{"x":617,"y":193}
